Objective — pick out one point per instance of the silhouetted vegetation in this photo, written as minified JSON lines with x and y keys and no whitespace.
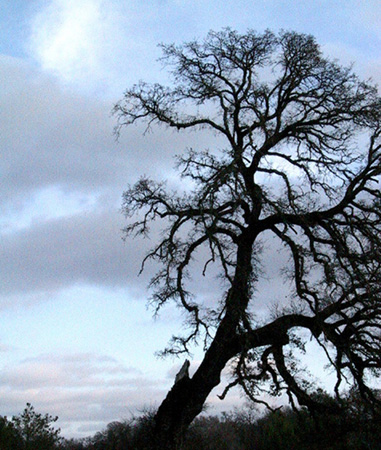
{"x":29,"y":431}
{"x":285,"y":429}
{"x":297,"y":160}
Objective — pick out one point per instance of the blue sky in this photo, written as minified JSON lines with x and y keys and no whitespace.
{"x":76,"y":339}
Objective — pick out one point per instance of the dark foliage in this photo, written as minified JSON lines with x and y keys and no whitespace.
{"x":356,"y":429}
{"x":29,"y":431}
{"x":9,"y":438}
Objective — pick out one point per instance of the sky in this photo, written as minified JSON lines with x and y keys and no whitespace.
{"x":76,"y":338}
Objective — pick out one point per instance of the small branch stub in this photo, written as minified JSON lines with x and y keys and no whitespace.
{"x":183,"y":372}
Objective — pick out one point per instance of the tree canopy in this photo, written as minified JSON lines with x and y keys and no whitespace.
{"x":29,"y":431}
{"x":301,"y":163}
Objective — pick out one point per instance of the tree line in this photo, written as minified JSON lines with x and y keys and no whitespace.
{"x":243,"y":429}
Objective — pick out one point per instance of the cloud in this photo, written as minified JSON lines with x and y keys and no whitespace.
{"x":70,"y":39}
{"x":66,"y":35}
{"x":89,"y":390}
{"x":81,"y":388}
{"x":51,"y":136}
{"x":104,"y":45}
{"x":80,"y":249}
{"x":63,"y":175}
{"x":86,"y":248}
{"x":69,"y":371}
{"x":4,"y":348}
{"x":95,"y":45}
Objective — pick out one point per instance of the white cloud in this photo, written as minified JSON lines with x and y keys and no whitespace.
{"x":96,"y":45}
{"x":66,"y":35}
{"x":105,"y":45}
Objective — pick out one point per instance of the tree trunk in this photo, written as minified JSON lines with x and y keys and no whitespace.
{"x":187,"y":397}
{"x":185,"y":401}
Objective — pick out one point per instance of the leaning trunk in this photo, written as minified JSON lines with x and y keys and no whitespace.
{"x":187,"y":397}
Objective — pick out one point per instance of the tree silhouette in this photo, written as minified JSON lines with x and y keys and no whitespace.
{"x":301,"y":163}
{"x":35,"y":431}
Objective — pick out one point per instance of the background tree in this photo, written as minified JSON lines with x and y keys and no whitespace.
{"x":9,"y":438}
{"x":301,"y":163}
{"x":35,"y":431}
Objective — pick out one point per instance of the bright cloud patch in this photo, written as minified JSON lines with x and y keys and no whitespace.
{"x":65,"y":36}
{"x":97,"y":45}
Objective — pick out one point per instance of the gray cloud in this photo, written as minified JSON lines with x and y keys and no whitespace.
{"x":85,"y":248}
{"x":58,"y":146}
{"x":51,"y":136}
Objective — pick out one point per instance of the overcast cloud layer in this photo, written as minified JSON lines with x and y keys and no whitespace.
{"x":76,"y":339}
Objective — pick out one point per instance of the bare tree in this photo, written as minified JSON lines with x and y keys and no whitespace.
{"x":301,"y":163}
